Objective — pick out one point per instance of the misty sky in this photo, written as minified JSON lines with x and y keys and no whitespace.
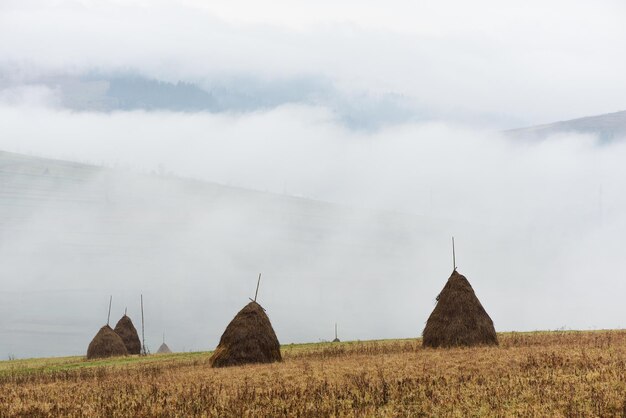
{"x":353,"y":139}
{"x":532,"y":62}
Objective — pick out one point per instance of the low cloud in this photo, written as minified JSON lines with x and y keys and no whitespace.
{"x":538,"y":225}
{"x":39,"y":96}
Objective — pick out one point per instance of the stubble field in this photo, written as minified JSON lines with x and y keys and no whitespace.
{"x":555,"y":374}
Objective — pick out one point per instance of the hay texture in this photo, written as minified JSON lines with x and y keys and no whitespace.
{"x":249,"y":338}
{"x":126,"y":330}
{"x":164,"y":349}
{"x":106,"y":343}
{"x":459,"y":319}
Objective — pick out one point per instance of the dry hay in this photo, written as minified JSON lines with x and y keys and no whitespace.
{"x":126,"y":330}
{"x":163,"y":349}
{"x":106,"y":343}
{"x":249,"y":338}
{"x":459,"y":319}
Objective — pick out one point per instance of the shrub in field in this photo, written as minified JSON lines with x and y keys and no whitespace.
{"x":127,"y":332}
{"x":249,"y":338}
{"x":106,"y":343}
{"x":459,"y":319}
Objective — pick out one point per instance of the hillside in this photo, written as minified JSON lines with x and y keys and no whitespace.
{"x":608,"y":127}
{"x":193,"y":249}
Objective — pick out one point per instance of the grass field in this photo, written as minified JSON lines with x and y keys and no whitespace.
{"x":551,"y":374}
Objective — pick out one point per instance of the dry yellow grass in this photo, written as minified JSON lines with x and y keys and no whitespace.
{"x":560,"y":374}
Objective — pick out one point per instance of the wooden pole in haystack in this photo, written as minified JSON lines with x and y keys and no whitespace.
{"x":143,"y":339}
{"x":453,"y":256}
{"x":257,"y":287}
{"x":335,"y":330}
{"x":109,"y":314}
{"x":257,"y":290}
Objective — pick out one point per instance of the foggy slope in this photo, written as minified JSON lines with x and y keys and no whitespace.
{"x":71,"y":234}
{"x":610,"y":126}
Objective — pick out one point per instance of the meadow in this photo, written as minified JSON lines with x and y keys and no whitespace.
{"x":551,"y":374}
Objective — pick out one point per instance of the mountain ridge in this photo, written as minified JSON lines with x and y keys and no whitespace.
{"x":608,"y":127}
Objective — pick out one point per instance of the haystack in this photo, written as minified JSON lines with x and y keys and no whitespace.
{"x":164,"y":349}
{"x":106,"y":343}
{"x":249,"y":338}
{"x":126,"y":330}
{"x":458,"y":319}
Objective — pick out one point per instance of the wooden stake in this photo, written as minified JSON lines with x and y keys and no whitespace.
{"x":109,"y":315}
{"x":143,"y":339}
{"x":453,"y":256}
{"x":257,"y":287}
{"x":335,"y":330}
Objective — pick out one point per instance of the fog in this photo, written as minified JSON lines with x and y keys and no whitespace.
{"x":365,"y":242}
{"x":347,"y":144}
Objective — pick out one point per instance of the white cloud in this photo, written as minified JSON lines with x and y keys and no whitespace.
{"x":30,"y":95}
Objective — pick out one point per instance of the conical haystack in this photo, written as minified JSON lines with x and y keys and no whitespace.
{"x":126,"y":330}
{"x":458,"y":319}
{"x":164,"y":349}
{"x":106,"y":343}
{"x":249,"y":338}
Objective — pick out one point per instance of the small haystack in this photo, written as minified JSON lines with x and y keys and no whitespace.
{"x":336,"y":340}
{"x":106,"y":343}
{"x":249,"y":338}
{"x":164,"y":349}
{"x":126,"y":330}
{"x":458,"y":319}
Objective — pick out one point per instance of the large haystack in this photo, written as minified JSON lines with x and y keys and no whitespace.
{"x":126,"y":330}
{"x":164,"y":349}
{"x":458,"y":319}
{"x":249,"y":338}
{"x":106,"y":343}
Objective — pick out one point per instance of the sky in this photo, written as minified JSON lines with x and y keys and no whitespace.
{"x":349,"y":221}
{"x":520,"y":64}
